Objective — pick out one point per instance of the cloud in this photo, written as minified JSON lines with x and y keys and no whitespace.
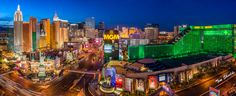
{"x":6,"y":22}
{"x":6,"y":18}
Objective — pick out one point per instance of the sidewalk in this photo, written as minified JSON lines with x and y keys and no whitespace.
{"x":197,"y":82}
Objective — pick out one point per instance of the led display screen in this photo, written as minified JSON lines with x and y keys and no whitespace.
{"x":162,"y":77}
{"x":107,"y":48}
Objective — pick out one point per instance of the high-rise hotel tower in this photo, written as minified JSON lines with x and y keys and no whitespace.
{"x":18,"y":30}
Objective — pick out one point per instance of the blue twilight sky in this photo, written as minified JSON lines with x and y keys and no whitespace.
{"x":167,"y":13}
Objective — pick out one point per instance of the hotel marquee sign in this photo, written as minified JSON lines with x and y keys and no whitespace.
{"x":111,"y":37}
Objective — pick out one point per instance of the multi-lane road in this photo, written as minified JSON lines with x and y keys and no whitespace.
{"x":13,"y":87}
{"x":203,"y":88}
{"x":13,"y":84}
{"x":62,"y":86}
{"x":224,"y":87}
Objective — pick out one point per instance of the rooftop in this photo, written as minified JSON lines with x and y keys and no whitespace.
{"x":147,"y":61}
{"x":178,"y":62}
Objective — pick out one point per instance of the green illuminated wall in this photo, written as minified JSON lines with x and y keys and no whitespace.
{"x":201,"y":39}
{"x":189,"y":44}
{"x":156,"y":51}
{"x":137,"y":52}
{"x":218,"y":41}
{"x":34,"y":40}
{"x":234,"y":40}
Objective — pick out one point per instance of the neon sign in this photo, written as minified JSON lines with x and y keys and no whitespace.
{"x":111,"y":36}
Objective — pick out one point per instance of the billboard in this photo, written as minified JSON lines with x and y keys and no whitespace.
{"x":119,"y":81}
{"x":128,"y":84}
{"x":140,"y":85}
{"x":214,"y":92}
{"x":108,"y":48}
{"x":152,"y":80}
{"x":162,"y":77}
{"x":110,"y":75}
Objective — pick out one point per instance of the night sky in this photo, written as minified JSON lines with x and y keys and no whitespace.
{"x":167,"y":13}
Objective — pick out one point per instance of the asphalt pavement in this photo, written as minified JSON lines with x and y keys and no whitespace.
{"x":201,"y":88}
{"x":60,"y":88}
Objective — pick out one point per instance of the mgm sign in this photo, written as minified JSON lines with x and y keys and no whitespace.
{"x":111,"y":35}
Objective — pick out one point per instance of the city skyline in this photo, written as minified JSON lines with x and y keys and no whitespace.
{"x":117,"y":48}
{"x":165,"y":13}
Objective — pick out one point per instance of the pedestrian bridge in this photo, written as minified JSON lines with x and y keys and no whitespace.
{"x":84,"y":72}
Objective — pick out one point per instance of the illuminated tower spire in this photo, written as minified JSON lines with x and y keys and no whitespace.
{"x":55,"y":18}
{"x":18,"y":14}
{"x":18,"y":7}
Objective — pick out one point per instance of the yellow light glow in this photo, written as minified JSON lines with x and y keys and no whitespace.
{"x":207,"y":27}
{"x":110,"y":90}
{"x":124,"y":35}
{"x":197,"y":27}
{"x":111,"y":37}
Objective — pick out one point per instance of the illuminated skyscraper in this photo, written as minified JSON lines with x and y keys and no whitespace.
{"x":56,"y":18}
{"x":55,"y":29}
{"x":124,"y":32}
{"x":101,"y":25}
{"x":6,"y":37}
{"x":133,"y":30}
{"x":73,"y":32}
{"x":27,"y":37}
{"x":151,"y":31}
{"x":33,"y":24}
{"x":76,"y":32}
{"x":90,"y":22}
{"x":18,"y":30}
{"x":37,"y":35}
{"x":101,"y":29}
{"x":90,"y":31}
{"x":44,"y":33}
{"x":176,"y":30}
{"x":64,"y":30}
{"x":60,"y":32}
